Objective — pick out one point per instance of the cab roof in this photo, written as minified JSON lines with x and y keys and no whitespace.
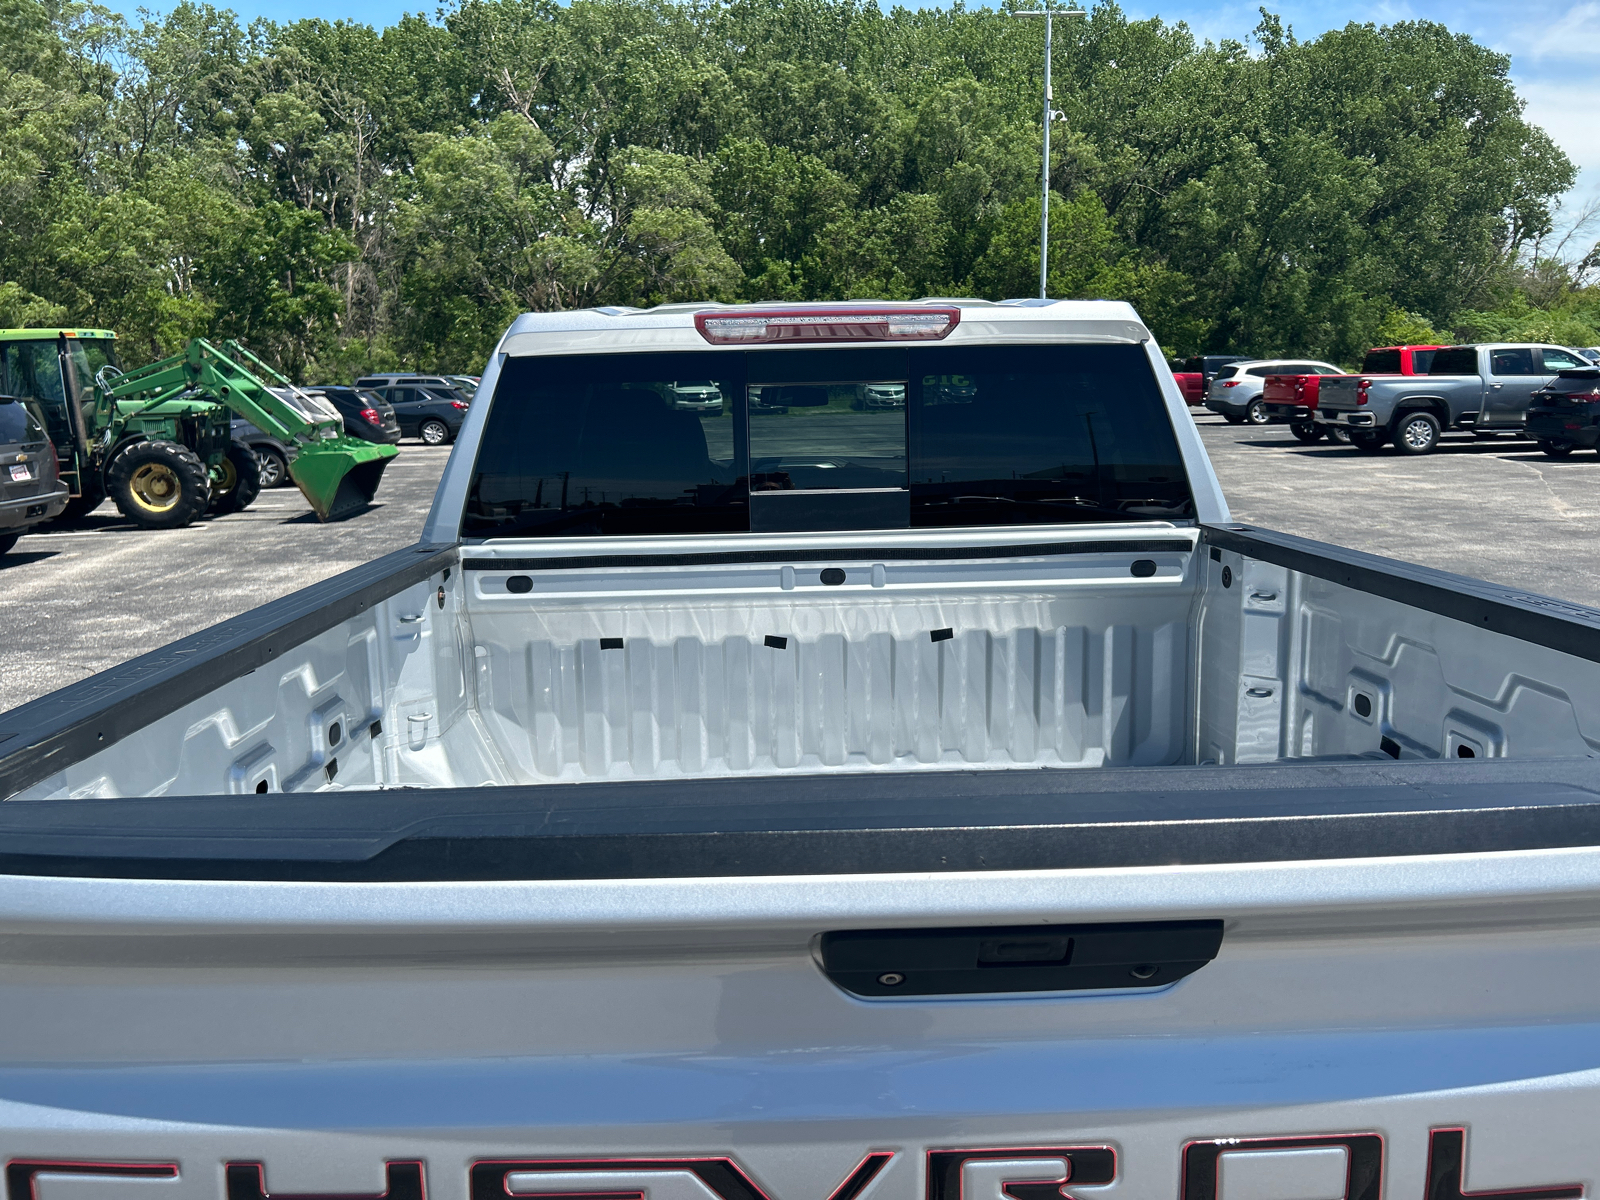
{"x":39,"y":335}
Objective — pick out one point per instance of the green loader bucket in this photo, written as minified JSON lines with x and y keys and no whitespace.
{"x":340,"y":476}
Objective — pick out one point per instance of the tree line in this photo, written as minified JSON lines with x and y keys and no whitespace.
{"x":348,"y":199}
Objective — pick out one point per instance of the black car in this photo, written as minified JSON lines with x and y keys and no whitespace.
{"x":273,"y":455}
{"x":367,"y":415}
{"x":30,"y":489}
{"x":432,"y":412}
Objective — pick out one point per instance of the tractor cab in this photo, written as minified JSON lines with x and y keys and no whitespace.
{"x":52,"y":371}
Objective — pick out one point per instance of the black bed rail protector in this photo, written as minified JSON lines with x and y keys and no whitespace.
{"x":1557,"y":624}
{"x":820,"y":825}
{"x":556,"y":562}
{"x":44,"y":735}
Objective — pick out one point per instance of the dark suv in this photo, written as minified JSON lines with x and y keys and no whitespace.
{"x":367,"y":415}
{"x":426,"y":406}
{"x":30,"y":489}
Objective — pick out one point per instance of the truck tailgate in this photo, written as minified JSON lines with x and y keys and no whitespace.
{"x":1401,"y":1021}
{"x":1337,"y":393}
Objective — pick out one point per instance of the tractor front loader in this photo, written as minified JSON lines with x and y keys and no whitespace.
{"x":336,"y":474}
{"x":157,"y":440}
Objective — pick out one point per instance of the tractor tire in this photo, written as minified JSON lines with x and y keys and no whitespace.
{"x":1306,"y":431}
{"x":159,"y":485}
{"x":1367,"y":442}
{"x":241,"y":481}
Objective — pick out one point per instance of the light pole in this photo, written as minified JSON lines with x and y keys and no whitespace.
{"x":1049,"y":115}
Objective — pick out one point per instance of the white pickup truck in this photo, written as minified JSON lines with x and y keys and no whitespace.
{"x":814,"y":799}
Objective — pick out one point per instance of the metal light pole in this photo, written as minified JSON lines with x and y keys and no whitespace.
{"x":1049,"y":115}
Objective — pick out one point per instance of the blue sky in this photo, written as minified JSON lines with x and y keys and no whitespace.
{"x":1554,"y":44}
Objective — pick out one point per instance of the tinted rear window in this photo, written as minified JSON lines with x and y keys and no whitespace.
{"x":1381,"y":362}
{"x":611,"y":445}
{"x":1422,"y":360}
{"x":1454,"y":360}
{"x":1040,"y":432}
{"x":17,"y":425}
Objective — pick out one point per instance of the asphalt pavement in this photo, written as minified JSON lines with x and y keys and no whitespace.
{"x":1493,"y":508}
{"x":75,"y":602}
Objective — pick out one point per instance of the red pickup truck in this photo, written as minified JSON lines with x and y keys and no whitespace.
{"x":1293,"y":398}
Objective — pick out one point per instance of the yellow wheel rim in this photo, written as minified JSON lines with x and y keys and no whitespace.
{"x":230,"y":476}
{"x":155,"y":487}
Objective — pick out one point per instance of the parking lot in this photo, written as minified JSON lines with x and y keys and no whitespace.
{"x":78,"y":601}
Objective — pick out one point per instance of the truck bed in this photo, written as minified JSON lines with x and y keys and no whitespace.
{"x":1160,"y":646}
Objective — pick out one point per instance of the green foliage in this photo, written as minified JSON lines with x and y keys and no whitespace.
{"x":347,"y":199}
{"x":1575,"y":321}
{"x":1401,"y":328}
{"x":20,"y":309}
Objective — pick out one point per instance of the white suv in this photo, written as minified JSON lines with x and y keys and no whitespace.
{"x":1236,"y":391}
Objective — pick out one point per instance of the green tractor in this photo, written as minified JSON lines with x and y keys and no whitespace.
{"x":157,"y":440}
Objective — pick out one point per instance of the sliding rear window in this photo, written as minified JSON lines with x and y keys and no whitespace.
{"x":827,"y":438}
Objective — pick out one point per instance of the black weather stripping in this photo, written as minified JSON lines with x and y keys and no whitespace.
{"x":775,"y":642}
{"x":879,"y":963}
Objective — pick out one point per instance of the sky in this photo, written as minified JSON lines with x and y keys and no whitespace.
{"x":1553,"y":44}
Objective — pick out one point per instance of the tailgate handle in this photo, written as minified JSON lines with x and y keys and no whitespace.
{"x":885,"y":963}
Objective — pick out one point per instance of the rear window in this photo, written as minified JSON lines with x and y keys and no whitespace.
{"x":1381,"y":362}
{"x":1421,"y":360}
{"x":1454,"y":360}
{"x":615,"y":445}
{"x":18,"y":425}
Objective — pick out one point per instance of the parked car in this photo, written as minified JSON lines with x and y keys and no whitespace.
{"x":883,"y":396}
{"x":273,"y":455}
{"x":1293,"y":398}
{"x":367,"y":415}
{"x":1564,"y":415}
{"x":432,"y":412}
{"x":31,"y":490}
{"x":1592,"y":353}
{"x":467,"y":385}
{"x":1236,"y":391}
{"x":697,"y":396}
{"x":1475,"y":388}
{"x":948,"y":389}
{"x":396,"y":378}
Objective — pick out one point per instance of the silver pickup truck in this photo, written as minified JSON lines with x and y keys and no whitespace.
{"x":1477,"y":388}
{"x":944,"y":801}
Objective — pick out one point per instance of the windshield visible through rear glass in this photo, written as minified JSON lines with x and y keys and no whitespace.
{"x":686,"y":443}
